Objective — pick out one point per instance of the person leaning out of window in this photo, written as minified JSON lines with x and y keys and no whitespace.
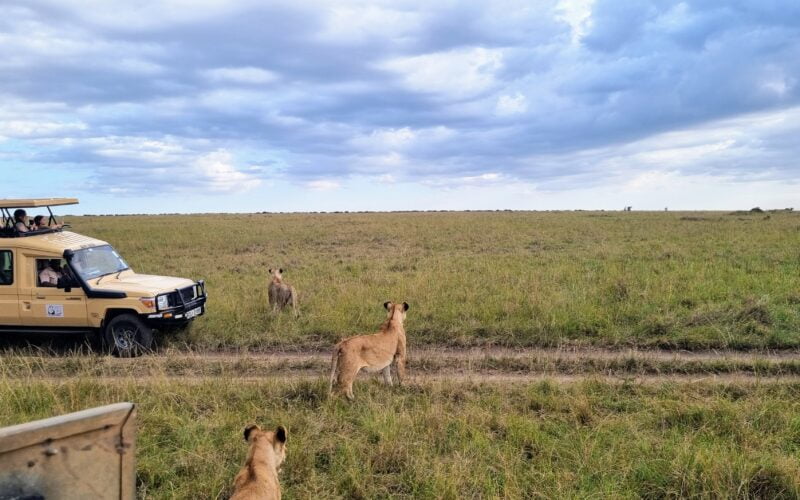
{"x":40,"y":222}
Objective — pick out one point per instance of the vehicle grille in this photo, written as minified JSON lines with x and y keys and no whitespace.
{"x":188,"y":294}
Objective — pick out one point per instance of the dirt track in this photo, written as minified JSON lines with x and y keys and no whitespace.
{"x":484,"y":365}
{"x":500,"y":352}
{"x":455,"y":378}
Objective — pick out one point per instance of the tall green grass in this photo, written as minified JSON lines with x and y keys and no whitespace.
{"x":454,"y":440}
{"x":702,"y":280}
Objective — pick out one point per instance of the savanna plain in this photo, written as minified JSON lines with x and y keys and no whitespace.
{"x":675,"y":280}
{"x":552,"y":354}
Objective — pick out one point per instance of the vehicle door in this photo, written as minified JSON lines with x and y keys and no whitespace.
{"x":9,"y":296}
{"x":51,"y":306}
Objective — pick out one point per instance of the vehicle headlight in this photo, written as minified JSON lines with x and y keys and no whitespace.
{"x":163,"y":302}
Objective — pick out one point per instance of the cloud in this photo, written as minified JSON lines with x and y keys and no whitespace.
{"x":246,"y":75}
{"x":220,"y":174}
{"x":358,"y":23}
{"x":398,"y":139}
{"x":557,"y":94}
{"x":21,"y":129}
{"x":389,"y":138}
{"x":651,"y":179}
{"x":511,"y":104}
{"x":136,"y":165}
{"x":459,"y":74}
{"x":323,"y":185}
{"x":577,"y":14}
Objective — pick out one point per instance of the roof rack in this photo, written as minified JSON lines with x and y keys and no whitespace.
{"x":38,"y":202}
{"x":8,"y":230}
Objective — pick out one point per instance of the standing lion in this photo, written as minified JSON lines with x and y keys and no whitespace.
{"x":281,"y":294}
{"x":374,"y":353}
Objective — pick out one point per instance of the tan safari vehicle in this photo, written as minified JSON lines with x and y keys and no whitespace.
{"x":53,"y":280}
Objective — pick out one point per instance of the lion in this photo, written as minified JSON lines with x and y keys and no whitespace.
{"x":258,"y":479}
{"x":281,"y":294}
{"x":374,"y":352}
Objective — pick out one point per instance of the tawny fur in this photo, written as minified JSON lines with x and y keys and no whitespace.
{"x":258,"y":479}
{"x":281,"y":294}
{"x":375,"y":353}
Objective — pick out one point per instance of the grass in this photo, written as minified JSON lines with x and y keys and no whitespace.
{"x":673,"y":280}
{"x":454,"y":440}
{"x":426,"y":363}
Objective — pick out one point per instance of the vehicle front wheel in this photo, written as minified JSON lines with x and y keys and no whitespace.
{"x":127,"y":336}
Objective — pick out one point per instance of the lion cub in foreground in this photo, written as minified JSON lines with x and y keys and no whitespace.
{"x":258,"y":479}
{"x":281,"y":294}
{"x":374,"y":352}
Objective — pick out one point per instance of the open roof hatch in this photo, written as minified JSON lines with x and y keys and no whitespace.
{"x":6,"y":206}
{"x":37,"y":202}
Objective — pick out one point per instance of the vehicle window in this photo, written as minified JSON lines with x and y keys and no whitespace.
{"x":94,"y":262}
{"x":48,"y":271}
{"x":6,"y":267}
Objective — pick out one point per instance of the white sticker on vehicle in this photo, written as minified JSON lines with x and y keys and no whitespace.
{"x":55,"y":310}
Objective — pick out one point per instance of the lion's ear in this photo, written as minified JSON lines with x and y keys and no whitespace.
{"x":247,"y":430}
{"x":280,"y":434}
{"x":405,"y":306}
{"x":387,"y":305}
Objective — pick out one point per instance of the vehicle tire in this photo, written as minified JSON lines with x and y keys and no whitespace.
{"x":127,"y":336}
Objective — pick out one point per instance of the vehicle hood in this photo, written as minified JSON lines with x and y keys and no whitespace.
{"x":143,"y":285}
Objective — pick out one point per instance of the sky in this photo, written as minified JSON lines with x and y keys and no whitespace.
{"x":253,"y":105}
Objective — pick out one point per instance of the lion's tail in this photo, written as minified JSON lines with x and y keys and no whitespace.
{"x":334,"y":368}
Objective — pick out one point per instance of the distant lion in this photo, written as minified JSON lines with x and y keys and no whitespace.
{"x":374,"y":352}
{"x":258,"y":479}
{"x":281,"y":294}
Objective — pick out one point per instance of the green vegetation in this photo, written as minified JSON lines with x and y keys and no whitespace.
{"x":433,"y":363}
{"x":676,"y":280}
{"x":701,"y":280}
{"x":454,"y":440}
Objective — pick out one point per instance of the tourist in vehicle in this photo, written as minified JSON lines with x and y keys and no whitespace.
{"x":20,"y":223}
{"x":51,"y":273}
{"x":40,"y":222}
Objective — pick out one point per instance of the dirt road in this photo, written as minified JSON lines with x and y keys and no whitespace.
{"x":486,"y":365}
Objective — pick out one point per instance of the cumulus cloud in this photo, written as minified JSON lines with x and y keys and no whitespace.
{"x":560,"y":94}
{"x":221,"y":175}
{"x":458,"y":73}
{"x":357,"y":23}
{"x":511,"y":104}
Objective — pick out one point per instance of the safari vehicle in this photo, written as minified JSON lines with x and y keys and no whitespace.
{"x":53,"y":280}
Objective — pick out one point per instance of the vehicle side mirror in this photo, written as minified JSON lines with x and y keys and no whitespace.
{"x":65,"y":283}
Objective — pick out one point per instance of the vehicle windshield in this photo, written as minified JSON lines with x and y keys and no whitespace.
{"x":94,"y":262}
